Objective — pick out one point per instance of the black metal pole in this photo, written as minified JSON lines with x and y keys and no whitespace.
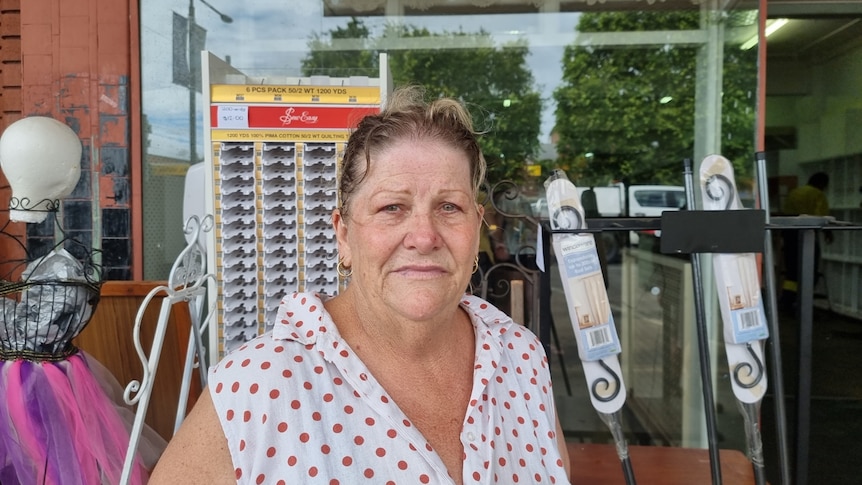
{"x":224,"y":17}
{"x":806,"y":301}
{"x":560,"y":353}
{"x":614,"y":421}
{"x":628,"y":472}
{"x":774,"y":342}
{"x":703,"y":344}
{"x":751,"y":417}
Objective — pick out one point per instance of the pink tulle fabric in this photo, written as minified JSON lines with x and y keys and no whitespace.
{"x":59,"y":427}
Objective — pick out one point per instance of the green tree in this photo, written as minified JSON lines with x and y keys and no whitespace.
{"x":493,"y":81}
{"x":628,"y":113}
{"x":324,"y":61}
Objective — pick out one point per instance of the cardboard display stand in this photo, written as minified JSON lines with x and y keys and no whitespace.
{"x":273,"y":153}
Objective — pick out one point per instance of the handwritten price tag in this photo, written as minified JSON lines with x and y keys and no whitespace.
{"x":232,"y":116}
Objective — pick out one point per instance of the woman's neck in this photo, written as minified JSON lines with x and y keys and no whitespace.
{"x":367,"y":328}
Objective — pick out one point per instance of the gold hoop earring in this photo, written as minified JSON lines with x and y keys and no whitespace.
{"x":476,"y":264}
{"x":343,"y":271}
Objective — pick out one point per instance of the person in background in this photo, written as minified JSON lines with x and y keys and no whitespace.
{"x":809,"y":199}
{"x":402,"y":377}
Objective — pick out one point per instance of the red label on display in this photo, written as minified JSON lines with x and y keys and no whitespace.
{"x":300,"y":117}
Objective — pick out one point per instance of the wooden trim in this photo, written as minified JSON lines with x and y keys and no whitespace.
{"x":129,"y":288}
{"x":598,"y":464}
{"x":136,"y":148}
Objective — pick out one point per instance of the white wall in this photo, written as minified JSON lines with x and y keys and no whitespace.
{"x":823,"y":101}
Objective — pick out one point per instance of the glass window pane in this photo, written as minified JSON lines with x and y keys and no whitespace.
{"x":616,"y":94}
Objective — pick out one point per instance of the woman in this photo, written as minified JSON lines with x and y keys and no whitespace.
{"x":401,"y":378}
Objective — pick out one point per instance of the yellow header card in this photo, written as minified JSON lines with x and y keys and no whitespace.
{"x":241,"y":93}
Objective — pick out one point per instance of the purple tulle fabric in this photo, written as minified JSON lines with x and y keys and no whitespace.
{"x":57,"y":426}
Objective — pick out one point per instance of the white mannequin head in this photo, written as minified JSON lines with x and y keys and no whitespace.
{"x":41,"y":158}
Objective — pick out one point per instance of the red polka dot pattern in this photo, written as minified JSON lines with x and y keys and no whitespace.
{"x":300,"y":407}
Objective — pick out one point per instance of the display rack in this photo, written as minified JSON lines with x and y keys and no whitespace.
{"x":700,"y":238}
{"x":273,"y":154}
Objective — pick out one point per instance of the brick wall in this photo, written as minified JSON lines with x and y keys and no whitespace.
{"x":10,"y":111}
{"x":72,"y":58}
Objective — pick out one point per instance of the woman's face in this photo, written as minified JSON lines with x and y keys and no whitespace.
{"x":412,"y":231}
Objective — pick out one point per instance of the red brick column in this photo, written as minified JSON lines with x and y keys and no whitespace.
{"x":10,"y":111}
{"x":74,"y":62}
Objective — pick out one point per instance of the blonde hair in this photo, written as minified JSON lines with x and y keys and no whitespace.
{"x":407,"y":115}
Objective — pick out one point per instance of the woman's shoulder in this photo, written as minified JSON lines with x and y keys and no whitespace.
{"x":251,"y":351}
{"x":291,"y":328}
{"x":302,"y":317}
{"x":495,"y":320}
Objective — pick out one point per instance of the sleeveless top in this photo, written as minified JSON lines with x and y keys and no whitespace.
{"x":298,"y":406}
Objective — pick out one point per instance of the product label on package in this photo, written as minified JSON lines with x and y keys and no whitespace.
{"x":593,"y":320}
{"x":749,"y":324}
{"x":736,"y":275}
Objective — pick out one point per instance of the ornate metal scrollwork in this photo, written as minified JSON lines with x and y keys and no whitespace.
{"x":495,"y":282}
{"x":186,"y":282}
{"x":757,"y":373}
{"x":24,"y":204}
{"x":614,"y":387}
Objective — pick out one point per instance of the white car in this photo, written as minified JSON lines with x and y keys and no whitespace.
{"x":643,"y":201}
{"x":652,"y":201}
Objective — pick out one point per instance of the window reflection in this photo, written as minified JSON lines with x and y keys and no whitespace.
{"x":608,"y":96}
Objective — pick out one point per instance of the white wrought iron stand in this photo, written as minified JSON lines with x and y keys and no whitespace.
{"x":186,"y":283}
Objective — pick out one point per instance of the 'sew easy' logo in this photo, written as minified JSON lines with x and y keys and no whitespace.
{"x":303,"y":117}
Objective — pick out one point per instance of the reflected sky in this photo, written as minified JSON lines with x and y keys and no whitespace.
{"x":270,"y":37}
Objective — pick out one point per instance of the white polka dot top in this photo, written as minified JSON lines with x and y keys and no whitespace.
{"x":297,"y":406}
